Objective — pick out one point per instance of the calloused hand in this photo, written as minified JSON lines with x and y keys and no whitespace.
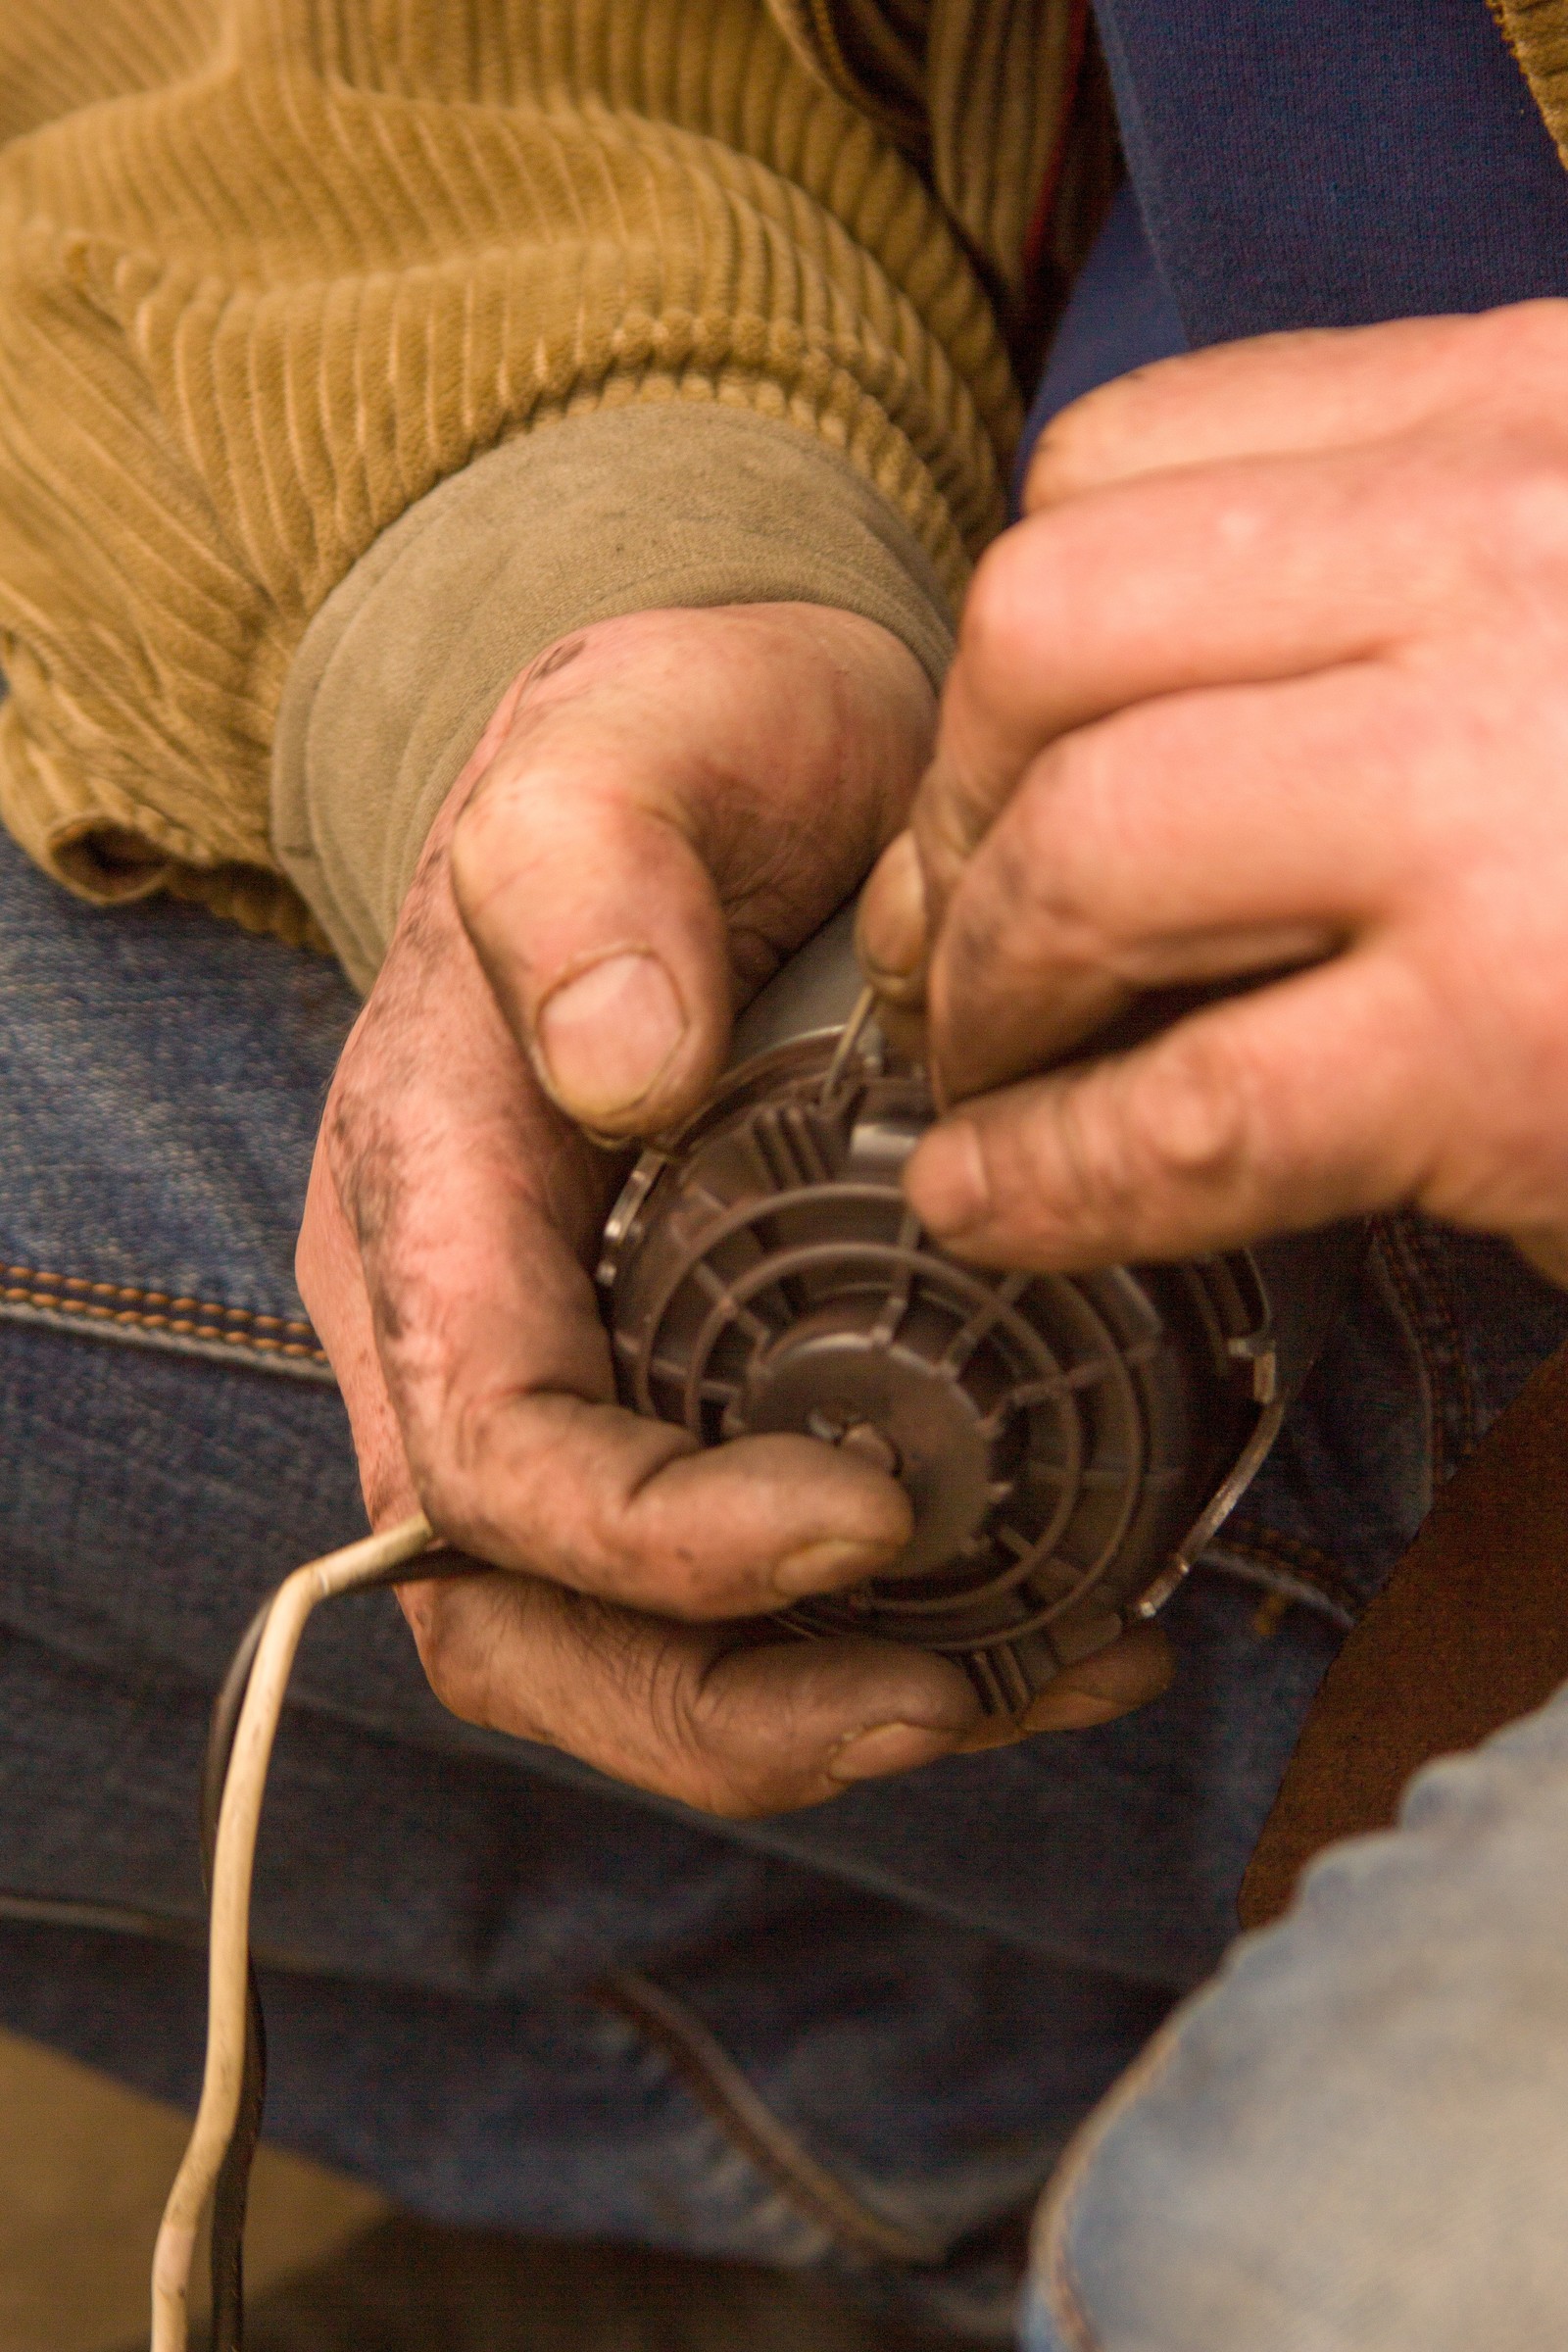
{"x":659,"y":810}
{"x":1272,"y":680}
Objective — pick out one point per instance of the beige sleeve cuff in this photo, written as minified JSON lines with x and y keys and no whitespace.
{"x":620,"y":510}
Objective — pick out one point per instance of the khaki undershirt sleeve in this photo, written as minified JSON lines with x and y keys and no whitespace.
{"x":668,"y":503}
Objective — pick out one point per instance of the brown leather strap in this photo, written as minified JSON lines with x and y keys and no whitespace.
{"x":1470,"y":1632}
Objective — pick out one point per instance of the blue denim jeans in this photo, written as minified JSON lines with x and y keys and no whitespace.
{"x":924,"y":1987}
{"x":1357,"y":2139}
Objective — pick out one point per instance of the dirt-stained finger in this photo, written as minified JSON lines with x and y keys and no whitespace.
{"x":1129,"y":1673}
{"x":734,"y":1726}
{"x":1235,"y":1122}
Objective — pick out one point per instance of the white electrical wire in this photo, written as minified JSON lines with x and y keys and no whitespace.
{"x":230,"y":1932}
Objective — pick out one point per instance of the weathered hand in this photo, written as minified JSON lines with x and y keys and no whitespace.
{"x":659,"y":810}
{"x":1273,"y":679}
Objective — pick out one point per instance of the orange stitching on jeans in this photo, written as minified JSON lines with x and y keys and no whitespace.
{"x":183,"y":1318}
{"x":166,"y":1299}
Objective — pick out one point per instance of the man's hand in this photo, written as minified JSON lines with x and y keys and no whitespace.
{"x":660,"y":809}
{"x":1272,"y":678}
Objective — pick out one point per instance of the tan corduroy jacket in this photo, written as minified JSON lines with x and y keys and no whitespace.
{"x":352,"y":350}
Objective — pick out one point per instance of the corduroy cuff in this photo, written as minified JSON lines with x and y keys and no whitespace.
{"x":619,"y":510}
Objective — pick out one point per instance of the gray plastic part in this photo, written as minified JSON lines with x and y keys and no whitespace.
{"x":817,"y":990}
{"x":1068,"y":1442}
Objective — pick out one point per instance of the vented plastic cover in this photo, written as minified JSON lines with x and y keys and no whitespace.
{"x":1059,"y":1437}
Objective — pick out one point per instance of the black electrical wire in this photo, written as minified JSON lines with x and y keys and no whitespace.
{"x":111,"y":1919}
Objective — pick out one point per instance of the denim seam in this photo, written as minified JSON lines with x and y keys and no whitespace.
{"x":1254,"y":1539}
{"x":749,"y":2125}
{"x":1417,"y":1279}
{"x":1053,"y":2224}
{"x":131,"y":1306}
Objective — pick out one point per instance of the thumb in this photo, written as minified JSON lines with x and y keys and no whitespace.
{"x":676,"y":798}
{"x":595,"y":917}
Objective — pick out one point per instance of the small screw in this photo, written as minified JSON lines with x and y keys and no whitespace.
{"x":835,"y":1426}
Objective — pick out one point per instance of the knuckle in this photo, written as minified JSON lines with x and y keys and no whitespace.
{"x":1030,"y":903}
{"x":1071,"y":449}
{"x":706,"y":1743}
{"x":340,"y":1119}
{"x":451,"y":1425}
{"x":364,"y":1155}
{"x":1186,"y":1109}
{"x":488,"y":812}
{"x":1068,"y":828}
{"x":1524,"y":509}
{"x":986,"y":934}
{"x":1015,"y":602}
{"x":653,"y":1670}
{"x":1129,"y":1135}
{"x":985,"y":627}
{"x":696,"y":1765}
{"x":452,"y":1493}
{"x":473,"y":1636}
{"x":618,"y":1532}
{"x":1091,"y":439}
{"x":951,"y":816}
{"x":481,"y":836}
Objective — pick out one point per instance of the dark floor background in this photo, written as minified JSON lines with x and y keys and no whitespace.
{"x":85,"y":2166}
{"x":85,"y":2169}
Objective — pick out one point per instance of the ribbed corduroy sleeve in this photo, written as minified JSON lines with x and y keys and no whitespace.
{"x":274,"y":271}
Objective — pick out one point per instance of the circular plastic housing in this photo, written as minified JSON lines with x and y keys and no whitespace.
{"x":1063,"y":1439}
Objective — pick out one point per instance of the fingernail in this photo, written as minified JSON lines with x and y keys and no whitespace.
{"x":608,"y":1036}
{"x":892,"y":932}
{"x":888,"y":1748}
{"x":945,"y":1181}
{"x":822,"y":1566}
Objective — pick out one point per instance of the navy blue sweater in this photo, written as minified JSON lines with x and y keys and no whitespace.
{"x":1309,"y":163}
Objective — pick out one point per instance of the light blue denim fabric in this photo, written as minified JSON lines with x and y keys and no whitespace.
{"x":1357,"y":2139}
{"x":930,"y":1984}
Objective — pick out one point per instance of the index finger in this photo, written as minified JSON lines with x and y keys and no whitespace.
{"x":1148,"y":484}
{"x":1320,"y":388}
{"x":1314,"y":1099}
{"x":1222,"y":575}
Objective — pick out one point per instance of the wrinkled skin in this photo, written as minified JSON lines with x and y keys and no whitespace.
{"x":660,"y":809}
{"x":1271,"y":679}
